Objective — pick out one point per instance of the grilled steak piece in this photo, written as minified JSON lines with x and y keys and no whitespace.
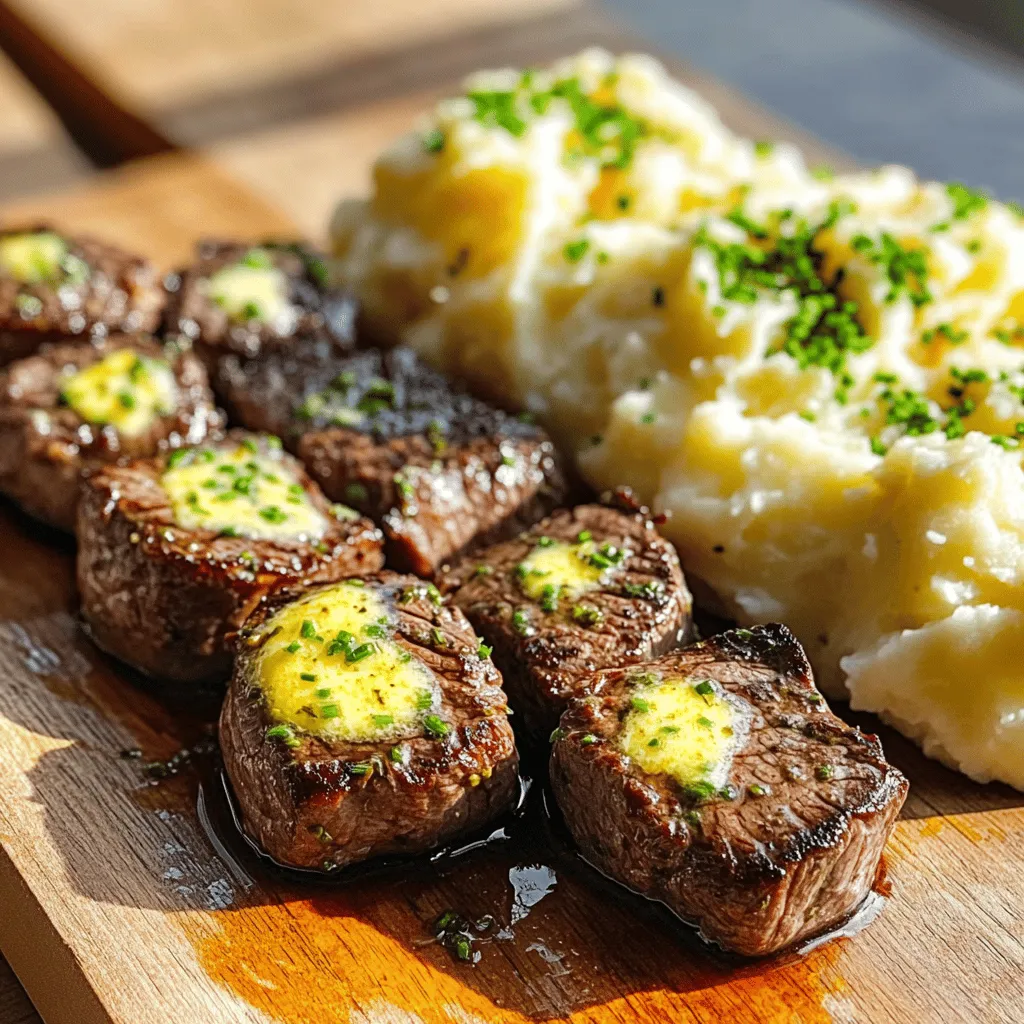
{"x":586,"y":589}
{"x":363,"y":721}
{"x":54,"y":287}
{"x":74,"y":407}
{"x":174,"y":552}
{"x":439,"y":470}
{"x":717,"y":780}
{"x":238,"y":301}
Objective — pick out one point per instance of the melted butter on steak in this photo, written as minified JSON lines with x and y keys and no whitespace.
{"x":240,"y":492}
{"x":553,"y":571}
{"x":39,"y":257}
{"x":685,"y":728}
{"x":253,"y":289}
{"x":125,"y":390}
{"x":330,"y":667}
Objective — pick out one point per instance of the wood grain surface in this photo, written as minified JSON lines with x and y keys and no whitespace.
{"x":163,"y":56}
{"x":137,"y":903}
{"x":35,"y":153}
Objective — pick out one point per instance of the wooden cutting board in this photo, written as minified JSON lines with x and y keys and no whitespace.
{"x":125,"y":901}
{"x":35,"y":153}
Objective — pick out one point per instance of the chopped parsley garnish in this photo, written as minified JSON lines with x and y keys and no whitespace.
{"x":639,"y":704}
{"x":356,"y":493}
{"x":783,"y":258}
{"x":905,"y":269}
{"x":705,"y":689}
{"x":586,"y":615}
{"x":436,"y":727}
{"x":1008,"y":335}
{"x":360,"y":653}
{"x":521,"y":623}
{"x":498,"y":109}
{"x":917,"y":415}
{"x":284,"y":733}
{"x":701,"y":791}
{"x":575,"y":251}
{"x":966,"y":201}
{"x":404,"y":488}
{"x":483,"y":651}
{"x":763,"y":148}
{"x":549,"y":596}
{"x":606,"y":556}
{"x":946,"y":331}
{"x":646,"y":591}
{"x":433,"y":141}
{"x":273,"y":514}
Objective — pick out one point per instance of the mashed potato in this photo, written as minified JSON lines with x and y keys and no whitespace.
{"x":818,"y":377}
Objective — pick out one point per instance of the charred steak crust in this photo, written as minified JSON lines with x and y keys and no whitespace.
{"x":440,"y":470}
{"x":315,"y":806}
{"x":121,"y":293}
{"x":45,"y":447}
{"x":164,"y":598}
{"x":547,"y":659}
{"x":324,"y":321}
{"x":788,"y":851}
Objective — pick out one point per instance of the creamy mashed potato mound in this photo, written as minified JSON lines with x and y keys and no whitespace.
{"x":817,"y":376}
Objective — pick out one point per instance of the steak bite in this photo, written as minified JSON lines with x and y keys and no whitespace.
{"x":174,"y":552}
{"x":439,"y":470}
{"x":716,"y":780}
{"x":363,"y":719}
{"x":238,"y":301}
{"x":54,"y":287}
{"x":74,"y":407}
{"x":586,"y":589}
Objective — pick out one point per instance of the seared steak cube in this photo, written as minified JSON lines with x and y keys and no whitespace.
{"x":364,"y":718}
{"x":717,"y":780}
{"x":238,"y":301}
{"x":438,"y":469}
{"x":54,"y":287}
{"x":174,"y":552}
{"x":74,"y":407}
{"x":586,"y":589}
